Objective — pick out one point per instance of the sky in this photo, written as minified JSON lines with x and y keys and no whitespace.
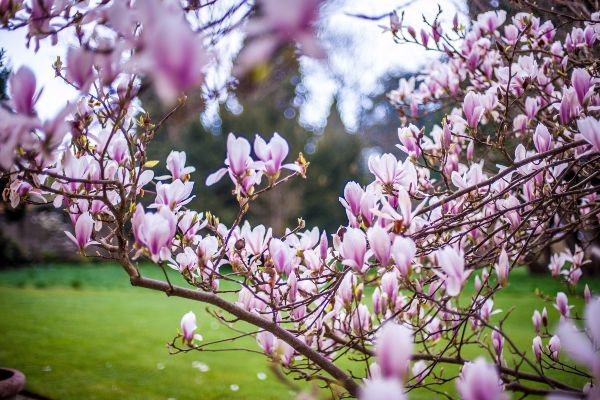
{"x":359,"y":56}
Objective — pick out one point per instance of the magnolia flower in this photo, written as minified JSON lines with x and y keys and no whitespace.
{"x":379,"y":302}
{"x":554,"y":347}
{"x":502,"y":268}
{"x":480,"y":381}
{"x":537,"y":320}
{"x":282,"y":255}
{"x":562,"y":305}
{"x":83,"y":231}
{"x":176,"y":165}
{"x":256,"y":239}
{"x":403,"y":251}
{"x":491,"y":20}
{"x":379,"y":389}
{"x":238,"y":160}
{"x":361,"y":320}
{"x":304,"y":240}
{"x":452,"y":265}
{"x":589,"y":127}
{"x":22,"y":90}
{"x":156,"y":232}
{"x":472,"y":109}
{"x":556,"y":263}
{"x":189,"y":224}
{"x":582,"y":82}
{"x":389,"y":286}
{"x":280,"y":22}
{"x":582,"y":347}
{"x":188,"y":327}
{"x":536,"y":347}
{"x":174,"y":55}
{"x":80,"y":63}
{"x":352,"y":195}
{"x":266,"y":341}
{"x":273,"y":153}
{"x":386,"y":168}
{"x":346,"y":289}
{"x":409,"y":137}
{"x":379,"y":240}
{"x":497,"y":342}
{"x":173,"y":195}
{"x":354,"y":250}
{"x":587,"y":294}
{"x":532,"y":106}
{"x":393,"y":349}
{"x":569,"y":106}
{"x":418,"y":371}
{"x":542,"y":139}
{"x":188,"y":260}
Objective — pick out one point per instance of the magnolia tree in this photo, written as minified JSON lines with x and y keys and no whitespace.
{"x":379,"y":307}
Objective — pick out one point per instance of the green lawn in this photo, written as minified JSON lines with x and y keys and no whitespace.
{"x":83,"y":332}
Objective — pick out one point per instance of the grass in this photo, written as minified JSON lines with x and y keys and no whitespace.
{"x":83,"y":332}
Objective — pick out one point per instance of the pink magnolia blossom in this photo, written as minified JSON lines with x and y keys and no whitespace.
{"x":569,"y":106}
{"x":502,"y":268}
{"x":582,"y":346}
{"x":480,"y":381}
{"x":188,"y":327}
{"x":497,"y":342}
{"x":273,"y":153}
{"x":562,"y":305}
{"x":554,"y":347}
{"x":379,"y":240}
{"x":472,"y":109}
{"x":238,"y":160}
{"x":22,"y":90}
{"x":389,"y":286}
{"x":393,"y":349}
{"x":173,"y":195}
{"x":188,"y":260}
{"x":532,"y":107}
{"x":83,"y":231}
{"x":257,"y":238}
{"x":346,"y":290}
{"x":280,"y":22}
{"x":378,"y":389}
{"x":537,"y":320}
{"x":176,"y":166}
{"x":403,"y":251}
{"x":491,"y":20}
{"x":354,"y":250}
{"x":542,"y":139}
{"x":452,"y":265}
{"x":352,"y":196}
{"x":282,"y":256}
{"x":361,"y":320}
{"x":386,"y":168}
{"x":80,"y":63}
{"x":537,"y":348}
{"x":174,"y":55}
{"x":424,"y":37}
{"x":409,"y":139}
{"x":589,"y":127}
{"x":582,"y":82}
{"x":156,"y":232}
{"x":587,"y":294}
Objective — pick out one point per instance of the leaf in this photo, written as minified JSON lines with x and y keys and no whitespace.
{"x":151,"y":164}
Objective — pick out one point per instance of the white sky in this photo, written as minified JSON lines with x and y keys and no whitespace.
{"x":353,"y":72}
